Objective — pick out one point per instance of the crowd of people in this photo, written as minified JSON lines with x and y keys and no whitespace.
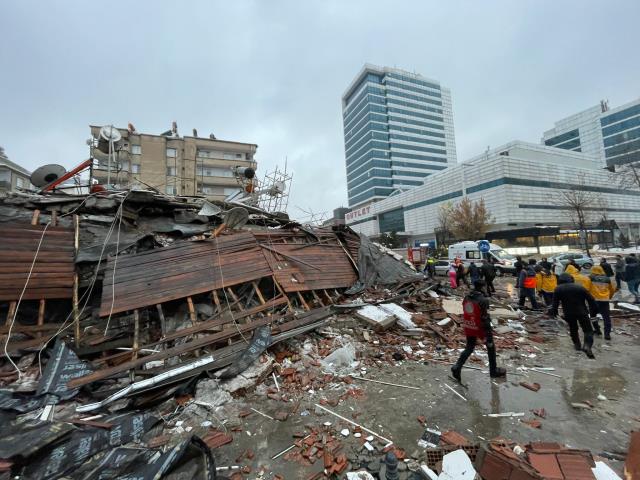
{"x":585,"y":298}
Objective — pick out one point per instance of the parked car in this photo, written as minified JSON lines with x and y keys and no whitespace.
{"x":442,"y":266}
{"x":581,"y":259}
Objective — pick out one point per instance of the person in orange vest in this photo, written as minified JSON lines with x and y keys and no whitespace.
{"x":527,"y":283}
{"x":477,"y":324}
{"x":602,"y":290}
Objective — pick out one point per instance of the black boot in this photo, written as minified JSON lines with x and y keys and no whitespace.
{"x":498,"y":373}
{"x":596,"y":329}
{"x":588,"y":343}
{"x":494,"y":370}
{"x":577,"y":346}
{"x":589,"y":353}
{"x":456,"y":371}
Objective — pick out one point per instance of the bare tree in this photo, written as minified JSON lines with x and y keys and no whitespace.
{"x":627,"y":176}
{"x":581,"y":207}
{"x":443,"y":231}
{"x":470,"y":220}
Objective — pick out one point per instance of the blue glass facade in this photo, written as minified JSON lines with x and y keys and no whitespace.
{"x":568,"y":141}
{"x":621,"y":136}
{"x":391,"y":120}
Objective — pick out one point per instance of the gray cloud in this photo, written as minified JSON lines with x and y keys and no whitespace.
{"x":273,"y":72}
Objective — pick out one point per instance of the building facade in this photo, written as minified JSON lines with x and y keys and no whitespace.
{"x":611,"y":135}
{"x":12,"y":176}
{"x":188,"y":165}
{"x":521,"y":184}
{"x":398,"y":129}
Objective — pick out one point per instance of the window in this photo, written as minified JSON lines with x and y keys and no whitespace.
{"x":171,"y":171}
{"x":135,"y":168}
{"x":473,"y":254}
{"x":172,"y":152}
{"x":136,"y":150}
{"x":228,"y":156}
{"x":214,"y":172}
{"x":21,"y":182}
{"x":170,"y":189}
{"x":124,"y":165}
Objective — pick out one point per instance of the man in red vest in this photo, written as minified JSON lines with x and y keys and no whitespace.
{"x":477,"y":324}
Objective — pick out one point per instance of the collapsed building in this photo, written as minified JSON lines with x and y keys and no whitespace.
{"x":126,"y":310}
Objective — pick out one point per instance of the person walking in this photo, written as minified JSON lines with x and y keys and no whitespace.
{"x":558,"y":268}
{"x":578,"y":277}
{"x":452,"y":276}
{"x":606,"y":266}
{"x":430,"y":267}
{"x":620,"y":268}
{"x":632,"y":274}
{"x":574,"y":299}
{"x":527,"y":282}
{"x":477,"y":324}
{"x":474,"y":273}
{"x":546,"y":283}
{"x":461,"y":275}
{"x":488,"y":273}
{"x":602,"y":290}
{"x":545,"y":264}
{"x":519,"y":265}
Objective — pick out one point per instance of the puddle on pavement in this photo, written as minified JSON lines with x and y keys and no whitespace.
{"x":587,"y":384}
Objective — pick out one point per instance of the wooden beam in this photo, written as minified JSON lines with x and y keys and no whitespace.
{"x":304,"y":304}
{"x":35,"y":217}
{"x":136,"y":340}
{"x":41,"y":314}
{"x":283,"y":293}
{"x":11,"y":312}
{"x":192,"y":311}
{"x":163,"y":322}
{"x":315,"y":295}
{"x":290,"y":257}
{"x":235,"y":298}
{"x":54,"y":218}
{"x":328,"y":296}
{"x":216,"y":300}
{"x":258,"y":292}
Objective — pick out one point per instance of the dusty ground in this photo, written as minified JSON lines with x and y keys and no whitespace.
{"x":392,"y":411}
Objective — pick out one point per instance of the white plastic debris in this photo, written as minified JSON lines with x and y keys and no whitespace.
{"x":403,"y":316}
{"x":340,"y":360}
{"x":357,"y":435}
{"x":629,"y":306}
{"x":457,"y":466}
{"x":206,"y":423}
{"x":601,"y":397}
{"x":359,"y":476}
{"x":369,"y":438}
{"x":602,"y":471}
{"x":327,"y":424}
{"x":407,"y":349}
{"x":368,"y":446}
{"x":344,"y":432}
{"x":433,"y":294}
{"x":518,"y":450}
{"x":444,"y":322}
{"x":428,"y":473}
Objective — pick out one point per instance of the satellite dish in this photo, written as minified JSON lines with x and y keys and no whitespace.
{"x":108,"y":134}
{"x":46,"y":174}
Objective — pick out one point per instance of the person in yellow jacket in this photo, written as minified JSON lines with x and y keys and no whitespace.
{"x":546,"y":283}
{"x":602,"y":290}
{"x":578,"y":277}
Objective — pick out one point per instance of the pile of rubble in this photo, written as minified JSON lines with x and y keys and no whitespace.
{"x":138,"y":324}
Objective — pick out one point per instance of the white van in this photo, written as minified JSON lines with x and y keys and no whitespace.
{"x":470,"y":252}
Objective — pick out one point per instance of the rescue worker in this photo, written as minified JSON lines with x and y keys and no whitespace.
{"x":574,"y":299}
{"x":430,"y":266}
{"x":578,"y":277}
{"x":527,"y":283}
{"x":477,"y":324}
{"x":602,"y":290}
{"x":620,"y":267}
{"x":546,"y":283}
{"x":519,"y":265}
{"x":488,"y":273}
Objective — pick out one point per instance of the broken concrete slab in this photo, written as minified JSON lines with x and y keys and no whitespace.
{"x":250,"y":377}
{"x":209,"y":392}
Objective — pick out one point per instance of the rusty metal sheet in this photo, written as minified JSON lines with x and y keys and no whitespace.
{"x":52,"y":274}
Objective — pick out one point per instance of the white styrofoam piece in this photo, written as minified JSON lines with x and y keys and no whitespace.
{"x":457,"y":466}
{"x":602,"y":471}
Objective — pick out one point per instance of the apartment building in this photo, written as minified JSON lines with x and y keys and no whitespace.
{"x":177,"y":165}
{"x":12,"y":175}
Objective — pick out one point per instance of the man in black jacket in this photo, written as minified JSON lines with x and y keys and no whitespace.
{"x":519,"y":265}
{"x":574,"y":299}
{"x":488,"y":273}
{"x":477,"y":324}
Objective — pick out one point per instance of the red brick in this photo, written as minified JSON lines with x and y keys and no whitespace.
{"x":547,"y":465}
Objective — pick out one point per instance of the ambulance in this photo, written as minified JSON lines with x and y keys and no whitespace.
{"x":470,"y":251}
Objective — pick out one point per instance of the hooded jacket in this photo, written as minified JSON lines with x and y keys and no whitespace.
{"x":620,"y":265}
{"x":546,"y":281}
{"x":574,"y":299}
{"x":527,"y":278}
{"x":578,"y":277}
{"x":601,"y":287}
{"x":632,"y":271}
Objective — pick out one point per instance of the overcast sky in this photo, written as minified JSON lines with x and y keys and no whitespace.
{"x":273,"y":72}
